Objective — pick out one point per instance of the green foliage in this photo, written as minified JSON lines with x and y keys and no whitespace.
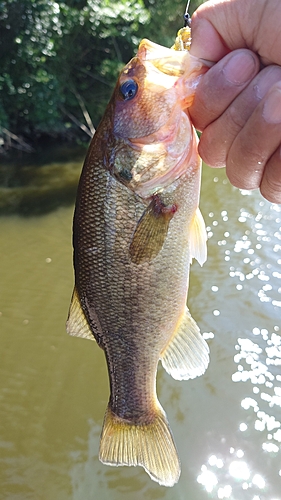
{"x":56,"y":54}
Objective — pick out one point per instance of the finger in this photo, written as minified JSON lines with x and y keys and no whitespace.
{"x":220,"y":25}
{"x":271,"y":181}
{"x":206,"y":42}
{"x":221,"y":84}
{"x":213,"y":150}
{"x":257,"y":141}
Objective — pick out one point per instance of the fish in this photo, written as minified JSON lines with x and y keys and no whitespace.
{"x":137,"y":226}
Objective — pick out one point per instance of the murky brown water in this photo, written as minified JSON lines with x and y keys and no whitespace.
{"x":54,"y":389}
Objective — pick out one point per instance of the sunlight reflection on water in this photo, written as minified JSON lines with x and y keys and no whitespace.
{"x":252,"y":252}
{"x":245,"y":483}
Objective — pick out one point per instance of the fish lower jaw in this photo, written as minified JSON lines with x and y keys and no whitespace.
{"x":167,"y":133}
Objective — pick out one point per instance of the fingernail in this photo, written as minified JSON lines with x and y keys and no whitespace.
{"x":239,"y":68}
{"x":266,"y":79}
{"x":272,"y":106}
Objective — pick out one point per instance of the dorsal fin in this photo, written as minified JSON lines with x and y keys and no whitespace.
{"x":77,"y":324}
{"x":187,"y":354}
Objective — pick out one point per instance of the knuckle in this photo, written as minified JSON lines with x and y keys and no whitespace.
{"x":201,"y":111}
{"x":212,"y":153}
{"x":241,"y":173}
{"x":234,"y":177}
{"x":236,"y":119}
{"x":270,"y":186}
{"x":250,"y":151}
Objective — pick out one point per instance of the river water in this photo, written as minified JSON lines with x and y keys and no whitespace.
{"x":54,"y":388}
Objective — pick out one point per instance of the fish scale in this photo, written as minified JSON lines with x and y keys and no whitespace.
{"x":134,"y":239}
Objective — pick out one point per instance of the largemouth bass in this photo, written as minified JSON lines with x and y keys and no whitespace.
{"x":137,"y":227}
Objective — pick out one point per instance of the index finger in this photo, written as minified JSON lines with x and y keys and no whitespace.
{"x":221,"y":85}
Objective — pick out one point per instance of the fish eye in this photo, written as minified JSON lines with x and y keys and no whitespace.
{"x":128,"y":89}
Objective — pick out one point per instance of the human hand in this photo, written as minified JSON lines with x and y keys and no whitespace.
{"x":238,"y":108}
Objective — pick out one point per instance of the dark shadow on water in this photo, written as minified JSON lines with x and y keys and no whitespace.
{"x":41,"y":182}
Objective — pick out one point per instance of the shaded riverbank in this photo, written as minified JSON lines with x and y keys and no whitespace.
{"x":36,"y":183}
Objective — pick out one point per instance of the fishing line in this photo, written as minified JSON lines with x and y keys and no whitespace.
{"x":186,"y":16}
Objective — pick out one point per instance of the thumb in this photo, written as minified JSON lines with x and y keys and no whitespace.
{"x":220,"y":26}
{"x":206,"y":43}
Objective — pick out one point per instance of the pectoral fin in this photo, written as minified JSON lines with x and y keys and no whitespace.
{"x":187,"y":354}
{"x":198,"y":238}
{"x":77,"y":324}
{"x":151,"y":231}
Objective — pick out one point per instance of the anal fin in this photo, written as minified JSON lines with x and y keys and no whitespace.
{"x":187,"y":353}
{"x":77,"y":324}
{"x":150,"y":445}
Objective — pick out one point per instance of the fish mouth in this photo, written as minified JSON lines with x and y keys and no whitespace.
{"x":168,"y":61}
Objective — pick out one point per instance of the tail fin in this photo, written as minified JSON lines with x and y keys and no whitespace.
{"x":149,"y":445}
